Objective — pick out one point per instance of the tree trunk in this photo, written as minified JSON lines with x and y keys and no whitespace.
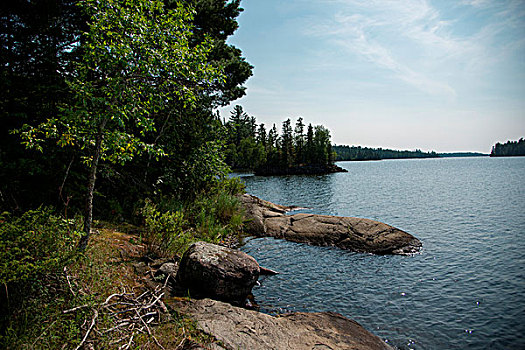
{"x":88,"y":213}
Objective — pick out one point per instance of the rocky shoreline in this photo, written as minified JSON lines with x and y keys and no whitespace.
{"x":266,"y":219}
{"x":227,"y":276}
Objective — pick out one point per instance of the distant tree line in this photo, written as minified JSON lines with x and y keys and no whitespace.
{"x":297,"y":149}
{"x":461,"y":154}
{"x":365,"y":153}
{"x":509,"y":149}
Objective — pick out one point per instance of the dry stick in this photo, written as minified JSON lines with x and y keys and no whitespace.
{"x":154,"y":302}
{"x":109,"y":298}
{"x":118,"y":340}
{"x":116,"y":327}
{"x":163,"y":307}
{"x":166,"y":281}
{"x":75,"y":308}
{"x":124,"y":347}
{"x":68,"y":282}
{"x":149,"y":331}
{"x":89,"y":329}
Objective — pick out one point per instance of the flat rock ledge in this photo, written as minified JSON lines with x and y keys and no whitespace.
{"x":238,"y":328}
{"x":266,"y":219}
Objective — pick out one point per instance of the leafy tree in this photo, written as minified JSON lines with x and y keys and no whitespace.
{"x":135,"y":60}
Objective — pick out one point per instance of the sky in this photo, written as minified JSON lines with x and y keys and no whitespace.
{"x":409,"y":74}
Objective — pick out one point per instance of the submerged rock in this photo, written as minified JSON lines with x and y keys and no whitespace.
{"x":209,"y":270}
{"x":360,"y":235}
{"x":238,"y":328}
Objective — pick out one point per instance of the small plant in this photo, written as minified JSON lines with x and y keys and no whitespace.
{"x":164,"y":232}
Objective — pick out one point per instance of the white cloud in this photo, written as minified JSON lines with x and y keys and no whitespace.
{"x":413,"y":40}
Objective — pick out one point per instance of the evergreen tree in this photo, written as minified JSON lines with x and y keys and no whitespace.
{"x":309,"y":156}
{"x":273,"y":136}
{"x":322,"y":146}
{"x":262,"y":137}
{"x":299,"y":141}
{"x":287,"y":150}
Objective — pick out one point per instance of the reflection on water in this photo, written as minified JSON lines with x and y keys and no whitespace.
{"x":465,"y":290}
{"x":304,"y":191}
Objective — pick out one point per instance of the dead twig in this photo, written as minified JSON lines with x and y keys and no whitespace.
{"x":149,"y":331}
{"x":93,"y":321}
{"x":69,"y":282}
{"x":75,"y":308}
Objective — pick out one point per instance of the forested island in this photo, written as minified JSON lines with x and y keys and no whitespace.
{"x":509,"y":149}
{"x":296,"y":150}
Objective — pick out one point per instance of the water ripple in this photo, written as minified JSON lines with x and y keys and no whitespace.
{"x":465,"y":290}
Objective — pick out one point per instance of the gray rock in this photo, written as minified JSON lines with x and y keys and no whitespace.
{"x":209,"y":270}
{"x":169,"y":268}
{"x":360,"y":235}
{"x":238,"y":328}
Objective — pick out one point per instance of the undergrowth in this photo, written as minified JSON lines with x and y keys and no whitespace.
{"x":55,"y":310}
{"x":171,"y":225}
{"x":54,"y":297}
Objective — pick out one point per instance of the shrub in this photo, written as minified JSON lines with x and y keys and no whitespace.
{"x":164,"y":232}
{"x":35,"y":243}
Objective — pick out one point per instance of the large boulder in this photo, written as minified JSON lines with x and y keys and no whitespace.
{"x":356,"y":234}
{"x":209,"y":270}
{"x":238,"y":328}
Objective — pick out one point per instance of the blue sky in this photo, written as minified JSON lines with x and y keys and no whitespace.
{"x":435,"y":75}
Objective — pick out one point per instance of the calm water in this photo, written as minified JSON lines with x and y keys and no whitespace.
{"x":466,"y":290}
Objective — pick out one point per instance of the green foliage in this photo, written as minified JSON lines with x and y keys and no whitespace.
{"x":34,"y":244}
{"x":172,"y":225}
{"x":135,"y":60}
{"x":164,"y":232}
{"x":217,"y":216}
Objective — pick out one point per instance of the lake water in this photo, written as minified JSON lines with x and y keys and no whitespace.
{"x":465,"y":290}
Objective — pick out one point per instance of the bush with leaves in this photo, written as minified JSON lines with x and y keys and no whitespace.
{"x":35,"y":243}
{"x":164,"y":232}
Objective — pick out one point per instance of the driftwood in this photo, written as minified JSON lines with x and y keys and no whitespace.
{"x":129,"y":316}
